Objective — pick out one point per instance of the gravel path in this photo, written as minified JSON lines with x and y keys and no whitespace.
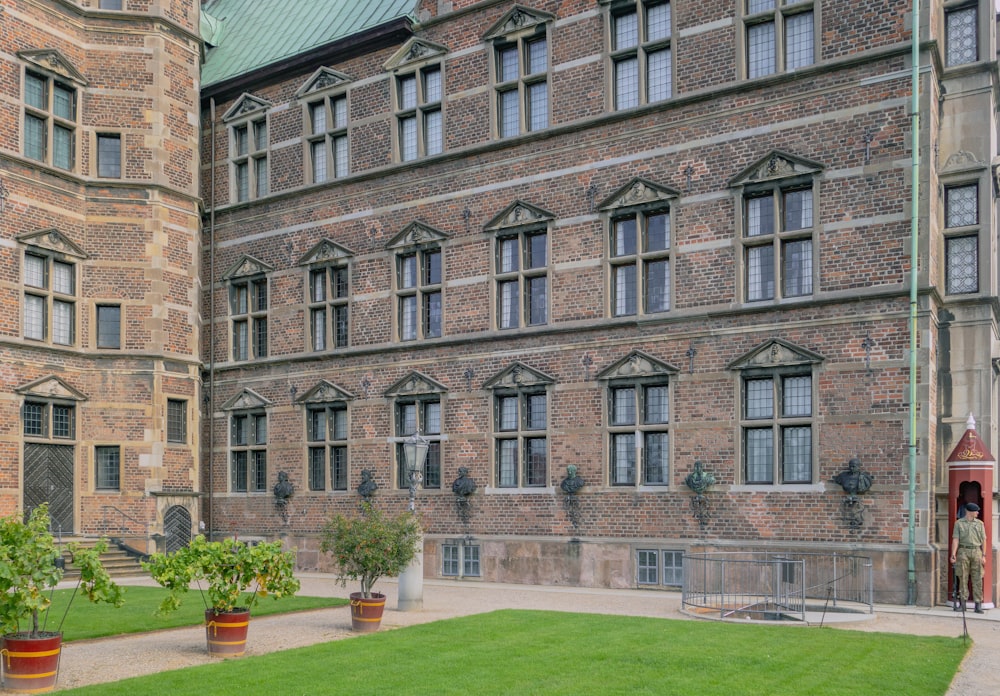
{"x":111,"y":659}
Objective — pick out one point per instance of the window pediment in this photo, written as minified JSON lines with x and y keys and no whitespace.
{"x":247,"y":104}
{"x":321,"y":80}
{"x":517,"y":376}
{"x":414,"y":52}
{"x":247,"y":266}
{"x":775,"y":165}
{"x":637,"y":364}
{"x":638,"y":192}
{"x":246,"y":400}
{"x":327,"y":250}
{"x":52,"y":240}
{"x":323,"y":393}
{"x":415,"y":234}
{"x":519,"y":214}
{"x":415,"y":383}
{"x":50,"y":387}
{"x":53,"y":62}
{"x":776,"y":353}
{"x":519,"y":19}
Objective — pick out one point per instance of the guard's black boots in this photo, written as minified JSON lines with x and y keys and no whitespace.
{"x":979,"y":608}
{"x":955,"y":606}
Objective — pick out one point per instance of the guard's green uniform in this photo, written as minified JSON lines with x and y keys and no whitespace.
{"x":971,"y":535}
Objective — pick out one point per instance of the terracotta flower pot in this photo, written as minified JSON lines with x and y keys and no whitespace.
{"x":31,"y":665}
{"x":226,"y":632}
{"x":366,"y":612}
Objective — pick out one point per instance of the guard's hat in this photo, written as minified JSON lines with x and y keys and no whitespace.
{"x":972,"y":507}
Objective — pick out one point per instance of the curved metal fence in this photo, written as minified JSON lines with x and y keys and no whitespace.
{"x":770,"y":586}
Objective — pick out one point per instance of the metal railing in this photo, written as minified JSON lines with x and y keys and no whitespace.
{"x":773,"y":586}
{"x":124,"y":531}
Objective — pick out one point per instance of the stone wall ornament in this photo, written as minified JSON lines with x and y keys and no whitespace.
{"x":855,"y":482}
{"x":283,"y":491}
{"x":699,"y":481}
{"x":367,"y":487}
{"x":571,"y":485}
{"x":463,"y":487}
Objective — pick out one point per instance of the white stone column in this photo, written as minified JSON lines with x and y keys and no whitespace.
{"x":411,"y":582}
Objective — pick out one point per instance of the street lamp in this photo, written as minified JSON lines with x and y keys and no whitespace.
{"x":415,"y":453}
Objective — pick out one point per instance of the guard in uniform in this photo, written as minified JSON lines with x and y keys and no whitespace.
{"x":968,"y":556}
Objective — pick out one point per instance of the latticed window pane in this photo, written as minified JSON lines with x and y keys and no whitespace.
{"x":317,"y":468}
{"x":260,"y":135}
{"x":316,"y":425}
{"x":536,"y":412}
{"x":242,"y":181}
{"x":35,"y":91}
{"x":962,"y":44}
{"x":108,"y":474}
{"x":626,"y":31}
{"x":408,"y":138}
{"x":319,"y":162}
{"x":260,"y":429}
{"x":797,"y":270}
{"x":760,"y":273}
{"x":656,"y":406}
{"x":62,"y":278}
{"x":340,"y":163}
{"x":759,"y":455}
{"x":408,"y":318}
{"x":538,"y":300}
{"x":338,"y":468}
{"x":34,"y":317}
{"x":754,"y":6}
{"x":319,"y":329}
{"x":962,"y":259}
{"x":432,"y":315}
{"x":338,"y":423}
{"x":63,"y":102}
{"x":407,"y":419}
{"x":238,"y":481}
{"x":538,"y":106}
{"x":449,"y":559}
{"x":623,"y":462}
{"x":62,"y":147}
{"x":759,"y":398}
{"x":656,"y":453}
{"x":338,"y":106}
{"x":659,"y":79}
{"x":34,"y":137}
{"x":627,"y":83}
{"x":62,"y":323}
{"x":260,"y":174}
{"x":623,"y":406}
{"x":109,"y":322}
{"x":259,"y":473}
{"x":260,"y":337}
{"x":239,"y":430}
{"x":796,"y":399}
{"x":538,"y":56}
{"x":673,"y":568}
{"x":798,"y":209}
{"x":625,"y":290}
{"x":760,"y":49}
{"x":32,"y":418}
{"x":658,"y":22}
{"x":507,"y":64}
{"x":240,"y":140}
{"x":34,"y":271}
{"x":408,"y":92}
{"x":759,"y":216}
{"x":62,"y":421}
{"x":470,"y":566}
{"x":510,"y":256}
{"x":317,"y":115}
{"x":109,"y":156}
{"x":657,"y":286}
{"x":647,"y":567}
{"x":536,"y":461}
{"x":509,"y":305}
{"x":796,"y":454}
{"x":658,"y":232}
{"x":625,"y":232}
{"x":961,"y":206}
{"x":434,"y":136}
{"x":799,"y":41}
{"x":432,"y":85}
{"x":507,"y":464}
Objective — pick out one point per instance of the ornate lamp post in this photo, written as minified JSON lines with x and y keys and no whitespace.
{"x":411,"y":580}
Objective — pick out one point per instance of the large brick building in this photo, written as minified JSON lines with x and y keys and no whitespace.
{"x":622,"y":235}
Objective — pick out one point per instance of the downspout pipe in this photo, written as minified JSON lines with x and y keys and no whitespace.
{"x":211,"y":334}
{"x":911,"y":573}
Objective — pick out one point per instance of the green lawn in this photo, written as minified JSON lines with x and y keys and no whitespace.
{"x":86,"y":620}
{"x":535,"y":652}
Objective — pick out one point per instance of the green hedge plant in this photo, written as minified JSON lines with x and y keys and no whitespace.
{"x":237,"y":574}
{"x":370,"y":546}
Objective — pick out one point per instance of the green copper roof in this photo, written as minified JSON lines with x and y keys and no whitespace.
{"x":243,"y":35}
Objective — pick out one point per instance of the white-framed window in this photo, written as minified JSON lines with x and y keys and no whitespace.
{"x":248,"y":158}
{"x":641,"y":52}
{"x":107,"y":467}
{"x":177,"y":425}
{"x":776,"y":423}
{"x":638,"y":432}
{"x":419,"y":293}
{"x":779,"y":36}
{"x":327,"y":122}
{"x":326,"y":432}
{"x":419,"y":414}
{"x":248,"y":451}
{"x":961,"y":23}
{"x":248,"y":304}
{"x":460,"y":558}
{"x":778,"y":229}
{"x":48,"y":420}
{"x":522,"y":277}
{"x":521,"y":80}
{"x":50,"y":120}
{"x":419,"y":117}
{"x":639,"y":257}
{"x":520,"y":421}
{"x":329,"y":306}
{"x":109,"y":155}
{"x":50,"y":298}
{"x":660,"y":567}
{"x":961,"y":222}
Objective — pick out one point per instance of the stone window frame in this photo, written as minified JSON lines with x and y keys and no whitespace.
{"x":518,"y":225}
{"x":640,"y":52}
{"x":326,"y":126}
{"x":416,"y":289}
{"x":659,"y":567}
{"x":248,"y":129}
{"x":103,"y":324}
{"x":639,"y":200}
{"x":515,"y":35}
{"x":53,"y":401}
{"x":754,"y":14}
{"x":108,"y":161}
{"x":957,"y":230}
{"x":176,"y":417}
{"x":777,"y":361}
{"x":244,"y":281}
{"x":519,"y":384}
{"x":775,"y":176}
{"x":247,"y":415}
{"x":333,"y":443}
{"x":416,"y":110}
{"x":54,"y":251}
{"x":108,"y":474}
{"x":461,"y":558}
{"x":331,"y":304}
{"x":58,"y":75}
{"x":418,"y":391}
{"x":951,"y":9}
{"x":638,"y":372}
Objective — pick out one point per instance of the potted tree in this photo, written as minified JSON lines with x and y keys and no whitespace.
{"x":237,"y":574}
{"x":29,"y":569}
{"x":366,"y":548}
